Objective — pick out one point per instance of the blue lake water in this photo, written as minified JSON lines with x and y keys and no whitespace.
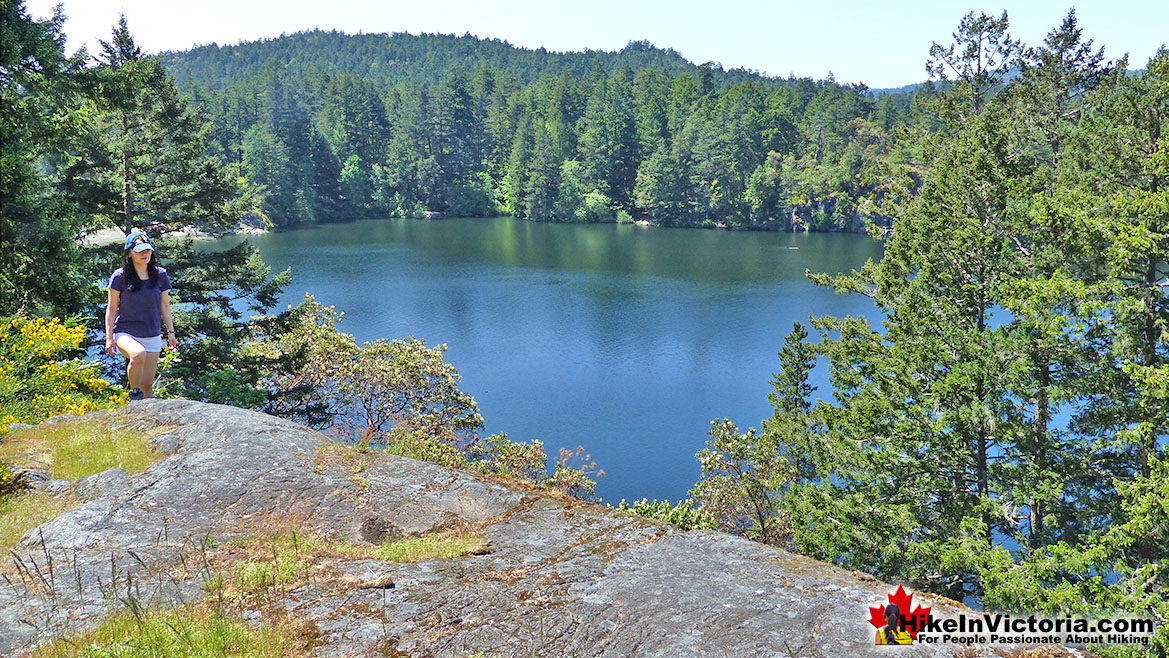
{"x":626,"y":340}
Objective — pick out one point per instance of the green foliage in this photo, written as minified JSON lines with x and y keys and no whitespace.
{"x":116,"y":144}
{"x":225,"y":387}
{"x":156,"y":167}
{"x":513,"y":460}
{"x":423,"y":447}
{"x":685,"y":515}
{"x":44,"y":134}
{"x":39,"y":378}
{"x":324,"y":376}
{"x":1002,"y":436}
{"x":944,"y":437}
{"x":611,"y":141}
{"x":746,"y":476}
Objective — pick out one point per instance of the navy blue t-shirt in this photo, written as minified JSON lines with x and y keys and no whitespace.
{"x":139,"y":311}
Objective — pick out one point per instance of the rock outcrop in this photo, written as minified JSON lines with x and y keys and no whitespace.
{"x":556,"y":578}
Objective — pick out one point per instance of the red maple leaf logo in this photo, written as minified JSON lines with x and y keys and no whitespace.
{"x":916,"y":620}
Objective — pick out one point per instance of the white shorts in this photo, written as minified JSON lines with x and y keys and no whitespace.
{"x":152,"y":344}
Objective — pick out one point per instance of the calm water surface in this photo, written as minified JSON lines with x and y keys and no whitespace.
{"x":626,"y":340}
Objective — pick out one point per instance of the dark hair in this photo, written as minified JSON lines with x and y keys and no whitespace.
{"x":131,"y":275}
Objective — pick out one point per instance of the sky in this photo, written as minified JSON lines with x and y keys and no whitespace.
{"x":882,"y":44}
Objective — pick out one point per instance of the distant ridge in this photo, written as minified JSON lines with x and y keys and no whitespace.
{"x":392,"y":58}
{"x":903,"y":89}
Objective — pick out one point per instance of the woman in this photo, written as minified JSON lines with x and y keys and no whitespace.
{"x":891,"y":632}
{"x":138,"y":305}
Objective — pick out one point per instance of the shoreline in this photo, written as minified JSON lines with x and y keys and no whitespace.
{"x":114,"y":235}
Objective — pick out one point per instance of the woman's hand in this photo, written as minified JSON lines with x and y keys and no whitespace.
{"x":111,"y":346}
{"x":171,"y":341}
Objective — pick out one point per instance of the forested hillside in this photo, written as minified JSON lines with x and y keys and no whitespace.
{"x":332,"y":127}
{"x":401,"y":57}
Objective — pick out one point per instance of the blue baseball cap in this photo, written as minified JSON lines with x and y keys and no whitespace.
{"x":138,"y":241}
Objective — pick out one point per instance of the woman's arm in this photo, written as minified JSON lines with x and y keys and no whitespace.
{"x":111,"y":315}
{"x":168,"y":319}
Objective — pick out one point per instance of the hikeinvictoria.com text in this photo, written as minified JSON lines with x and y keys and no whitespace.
{"x":991,"y":628}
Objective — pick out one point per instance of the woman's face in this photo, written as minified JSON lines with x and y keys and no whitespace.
{"x":141,"y":258}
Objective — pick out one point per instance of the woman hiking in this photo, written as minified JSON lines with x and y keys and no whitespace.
{"x":138,"y":306}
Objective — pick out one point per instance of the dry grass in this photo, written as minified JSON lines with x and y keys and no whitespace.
{"x":276,"y":553}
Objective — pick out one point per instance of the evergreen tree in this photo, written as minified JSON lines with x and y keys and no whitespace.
{"x":44,"y":147}
{"x":662,"y":189}
{"x":925,"y":407}
{"x":609,"y":141}
{"x":158,"y":164}
{"x":453,"y":140}
{"x":543,"y":184}
{"x":268,"y":166}
{"x":515,"y":181}
{"x":1121,"y":156}
{"x":1059,"y":268}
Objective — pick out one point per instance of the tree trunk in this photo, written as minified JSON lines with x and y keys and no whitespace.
{"x":127,"y":216}
{"x":982,"y":439}
{"x":1042,"y":412}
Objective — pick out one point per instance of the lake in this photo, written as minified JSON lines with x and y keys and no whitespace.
{"x":624,"y":339}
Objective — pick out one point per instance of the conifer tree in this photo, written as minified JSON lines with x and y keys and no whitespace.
{"x":158,"y":166}
{"x":44,"y":148}
{"x":924,"y":407}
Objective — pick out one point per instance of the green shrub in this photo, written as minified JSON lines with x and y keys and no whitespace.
{"x":685,"y":514}
{"x":225,"y":387}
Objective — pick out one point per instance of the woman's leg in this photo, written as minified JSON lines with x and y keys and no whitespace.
{"x":149,"y":367}
{"x":141,"y":366}
{"x":133,"y":351}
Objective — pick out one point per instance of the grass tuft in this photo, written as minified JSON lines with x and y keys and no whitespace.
{"x":25,"y":511}
{"x":69,"y":451}
{"x":195,"y":630}
{"x":430,"y":547}
{"x":77,"y":449}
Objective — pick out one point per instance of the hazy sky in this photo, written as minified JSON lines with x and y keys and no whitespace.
{"x":883,"y":44}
